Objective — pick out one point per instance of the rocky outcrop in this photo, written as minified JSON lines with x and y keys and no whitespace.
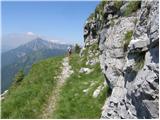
{"x":3,"y":95}
{"x":127,"y":36}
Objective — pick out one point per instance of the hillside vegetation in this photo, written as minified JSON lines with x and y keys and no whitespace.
{"x":76,"y":97}
{"x":25,"y":55}
{"x":26,"y":99}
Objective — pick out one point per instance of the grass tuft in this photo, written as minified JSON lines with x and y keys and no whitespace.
{"x":140,"y":61}
{"x":127,"y":39}
{"x":118,"y":4}
{"x":132,"y":7}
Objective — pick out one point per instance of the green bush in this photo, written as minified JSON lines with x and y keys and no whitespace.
{"x":127,"y":39}
{"x":19,"y":76}
{"x":92,"y":15}
{"x":94,"y":46}
{"x":99,"y":9}
{"x":118,"y":4}
{"x":77,"y":48}
{"x":133,"y":6}
{"x":139,"y":61}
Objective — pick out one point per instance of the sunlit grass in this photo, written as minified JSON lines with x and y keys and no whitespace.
{"x":73,"y":102}
{"x":27,"y":99}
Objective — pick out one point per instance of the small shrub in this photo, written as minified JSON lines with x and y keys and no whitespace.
{"x":132,"y":7}
{"x":98,"y":10}
{"x":77,"y":48}
{"x":92,"y":15}
{"x":101,"y":5}
{"x":118,"y":4}
{"x":127,"y":39}
{"x":140,"y":61}
{"x":19,"y":76}
{"x":94,"y":47}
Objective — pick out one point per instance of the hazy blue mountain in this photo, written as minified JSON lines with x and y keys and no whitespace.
{"x":37,"y":44}
{"x":25,"y":55}
{"x":13,"y":40}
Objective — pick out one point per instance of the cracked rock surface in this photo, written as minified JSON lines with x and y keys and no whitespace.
{"x":132,"y":73}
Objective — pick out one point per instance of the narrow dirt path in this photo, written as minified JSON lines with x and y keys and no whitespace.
{"x":50,"y":106}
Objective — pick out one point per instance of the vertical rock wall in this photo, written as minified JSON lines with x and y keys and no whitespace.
{"x":129,"y":56}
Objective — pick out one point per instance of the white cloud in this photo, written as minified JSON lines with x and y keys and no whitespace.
{"x":30,"y":33}
{"x":54,"y":41}
{"x":58,"y":41}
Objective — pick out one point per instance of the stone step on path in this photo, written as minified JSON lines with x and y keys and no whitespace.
{"x":52,"y":101}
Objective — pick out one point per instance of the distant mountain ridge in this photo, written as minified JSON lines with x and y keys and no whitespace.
{"x":25,"y":55}
{"x":13,"y":40}
{"x":11,"y":56}
{"x":39,"y":43}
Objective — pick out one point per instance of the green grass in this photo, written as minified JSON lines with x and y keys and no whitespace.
{"x":127,"y":39}
{"x":140,"y":61}
{"x":132,"y":7}
{"x":73,"y":102}
{"x":118,"y":4}
{"x":94,"y":46}
{"x":98,"y":10}
{"x":27,"y":99}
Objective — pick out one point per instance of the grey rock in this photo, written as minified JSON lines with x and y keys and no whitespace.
{"x":85,"y":70}
{"x":113,"y":56}
{"x":97,"y":91}
{"x":92,"y":61}
{"x":86,"y":91}
{"x":134,"y":92}
{"x":3,"y":95}
{"x":139,"y":44}
{"x":109,"y":8}
{"x":123,"y":8}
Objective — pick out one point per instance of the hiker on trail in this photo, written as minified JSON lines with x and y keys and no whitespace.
{"x":69,"y":52}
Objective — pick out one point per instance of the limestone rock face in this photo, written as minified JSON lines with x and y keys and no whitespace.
{"x":113,"y":56}
{"x":131,"y":72}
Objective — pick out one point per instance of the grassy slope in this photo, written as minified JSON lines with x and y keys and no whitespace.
{"x":74,"y":103}
{"x":26,"y":100}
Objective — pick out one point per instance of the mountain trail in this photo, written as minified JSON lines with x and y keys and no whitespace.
{"x":50,"y":106}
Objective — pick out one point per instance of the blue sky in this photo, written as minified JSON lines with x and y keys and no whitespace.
{"x":57,"y":20}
